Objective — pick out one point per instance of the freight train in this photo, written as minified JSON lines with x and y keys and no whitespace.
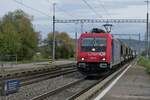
{"x":99,"y":51}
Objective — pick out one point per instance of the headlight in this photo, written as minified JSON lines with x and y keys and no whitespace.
{"x":82,"y":59}
{"x":93,"y":49}
{"x":103,"y":59}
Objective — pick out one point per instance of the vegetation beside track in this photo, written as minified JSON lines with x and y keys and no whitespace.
{"x":20,"y":42}
{"x":145,"y":62}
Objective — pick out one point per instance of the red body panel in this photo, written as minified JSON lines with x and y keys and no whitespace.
{"x":95,"y":56}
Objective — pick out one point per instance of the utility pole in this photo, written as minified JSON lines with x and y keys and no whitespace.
{"x":147,"y":21}
{"x":76,"y":40}
{"x":139,"y":43}
{"x":53,"y":55}
{"x":81,"y":27}
{"x":130,"y":43}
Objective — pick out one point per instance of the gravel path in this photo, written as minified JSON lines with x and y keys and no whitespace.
{"x":29,"y":91}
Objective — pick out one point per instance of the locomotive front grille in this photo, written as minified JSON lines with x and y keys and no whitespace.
{"x":82,"y":65}
{"x":92,"y":66}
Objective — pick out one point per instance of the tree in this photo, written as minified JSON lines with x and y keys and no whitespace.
{"x":17,"y":35}
{"x":64,"y":45}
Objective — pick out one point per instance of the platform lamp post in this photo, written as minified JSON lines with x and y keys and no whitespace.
{"x":108,"y":27}
{"x":147,"y":21}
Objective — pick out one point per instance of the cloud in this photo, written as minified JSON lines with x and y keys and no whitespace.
{"x":115,"y":4}
{"x":67,"y":9}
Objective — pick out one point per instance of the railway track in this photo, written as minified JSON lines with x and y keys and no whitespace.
{"x":29,"y":72}
{"x":71,"y":87}
{"x":44,"y":76}
{"x":65,"y":91}
{"x":36,"y":77}
{"x":58,"y":90}
{"x":75,"y":89}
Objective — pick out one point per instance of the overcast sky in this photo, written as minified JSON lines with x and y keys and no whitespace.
{"x":72,"y":9}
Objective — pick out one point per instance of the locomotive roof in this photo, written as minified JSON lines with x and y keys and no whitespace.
{"x":97,"y":30}
{"x":88,"y":34}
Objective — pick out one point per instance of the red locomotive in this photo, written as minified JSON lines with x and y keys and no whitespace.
{"x":99,"y":51}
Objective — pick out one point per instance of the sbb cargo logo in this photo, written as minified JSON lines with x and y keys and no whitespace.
{"x":102,"y":53}
{"x":97,"y":54}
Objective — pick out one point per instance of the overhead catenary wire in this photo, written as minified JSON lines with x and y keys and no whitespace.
{"x":39,"y":11}
{"x":34,"y":9}
{"x":62,"y":10}
{"x":106,"y":11}
{"x":91,"y":8}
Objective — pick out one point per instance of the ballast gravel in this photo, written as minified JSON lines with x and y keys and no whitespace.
{"x":29,"y":91}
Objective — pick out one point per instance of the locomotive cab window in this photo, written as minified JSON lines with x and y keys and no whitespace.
{"x":97,"y":44}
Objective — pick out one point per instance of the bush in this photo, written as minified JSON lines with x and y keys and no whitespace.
{"x":145,"y":62}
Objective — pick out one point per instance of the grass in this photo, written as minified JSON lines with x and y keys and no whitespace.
{"x":145,"y":62}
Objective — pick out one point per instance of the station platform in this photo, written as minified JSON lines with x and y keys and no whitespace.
{"x":133,"y":85}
